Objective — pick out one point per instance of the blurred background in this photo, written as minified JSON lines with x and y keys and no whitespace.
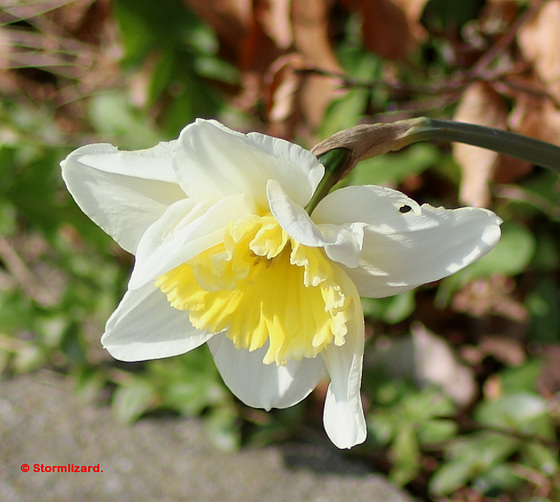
{"x":462,"y":377}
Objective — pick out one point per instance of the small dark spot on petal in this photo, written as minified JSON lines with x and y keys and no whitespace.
{"x":405,"y":209}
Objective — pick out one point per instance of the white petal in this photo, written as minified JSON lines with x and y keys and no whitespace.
{"x":344,"y":415}
{"x":342,"y":243}
{"x":122,"y":192}
{"x":144,"y":326}
{"x":264,"y":385}
{"x":215,"y":162}
{"x":186,"y":229}
{"x":402,"y":250}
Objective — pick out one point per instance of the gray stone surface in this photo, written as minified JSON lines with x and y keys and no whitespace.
{"x":157,"y":459}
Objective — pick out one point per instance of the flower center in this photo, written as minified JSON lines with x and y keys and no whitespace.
{"x":261,"y":285}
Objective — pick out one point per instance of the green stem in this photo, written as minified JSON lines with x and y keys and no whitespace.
{"x":334,"y":161}
{"x":516,"y":145}
{"x":342,"y":151}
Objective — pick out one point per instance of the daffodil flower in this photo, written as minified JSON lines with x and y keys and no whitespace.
{"x":227,"y":255}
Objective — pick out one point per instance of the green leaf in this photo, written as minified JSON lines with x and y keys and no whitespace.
{"x":435,"y":431}
{"x":543,"y":193}
{"x":444,"y":15}
{"x":222,"y":427}
{"x":112,"y":115}
{"x":543,"y":459}
{"x":471,"y":457}
{"x":522,"y":378}
{"x":213,"y":68}
{"x":498,"y":478}
{"x":131,"y":401}
{"x":405,"y":453}
{"x":450,"y":477}
{"x":348,"y":110}
{"x":390,"y":310}
{"x":395,"y":167}
{"x":510,"y":257}
{"x":521,"y":411}
{"x":381,"y":427}
{"x":542,"y":303}
{"x":145,"y":26}
{"x":29,"y":358}
{"x":344,"y":112}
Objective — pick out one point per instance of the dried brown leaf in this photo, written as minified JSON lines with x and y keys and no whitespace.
{"x":539,"y":40}
{"x":504,"y":348}
{"x":479,"y":105}
{"x":455,"y":378}
{"x":260,"y":35}
{"x":311,"y":39}
{"x":532,"y":116}
{"x":426,"y":358}
{"x":548,"y":382}
{"x":536,"y":117}
{"x":492,"y":296}
{"x":391,"y":28}
{"x":413,"y":10}
{"x":282,"y":94}
{"x":274,"y":16}
{"x":230,"y":18}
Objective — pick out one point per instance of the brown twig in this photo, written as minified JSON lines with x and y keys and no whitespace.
{"x":22,"y":275}
{"x":450,"y":90}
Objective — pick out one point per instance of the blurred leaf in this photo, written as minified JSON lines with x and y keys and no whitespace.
{"x":543,"y":459}
{"x":131,"y":401}
{"x":522,"y":412}
{"x":436,"y":431}
{"x":479,"y":104}
{"x":381,"y":428}
{"x":497,"y":478}
{"x":450,"y":477}
{"x":395,"y":167}
{"x":537,"y":192}
{"x":29,"y":358}
{"x":190,"y":383}
{"x":214,"y":68}
{"x":406,"y":419}
{"x":391,"y":310}
{"x":112,"y":115}
{"x":72,"y":345}
{"x":344,"y":112}
{"x":7,"y":217}
{"x":223,"y":431}
{"x":538,"y":41}
{"x":485,"y":449}
{"x":381,"y":19}
{"x":444,"y":15}
{"x":510,"y":257}
{"x":521,"y":378}
{"x":145,"y":26}
{"x":469,"y":458}
{"x":544,"y":185}
{"x":405,"y":453}
{"x":542,"y":303}
{"x":348,"y":110}
{"x":188,"y":98}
